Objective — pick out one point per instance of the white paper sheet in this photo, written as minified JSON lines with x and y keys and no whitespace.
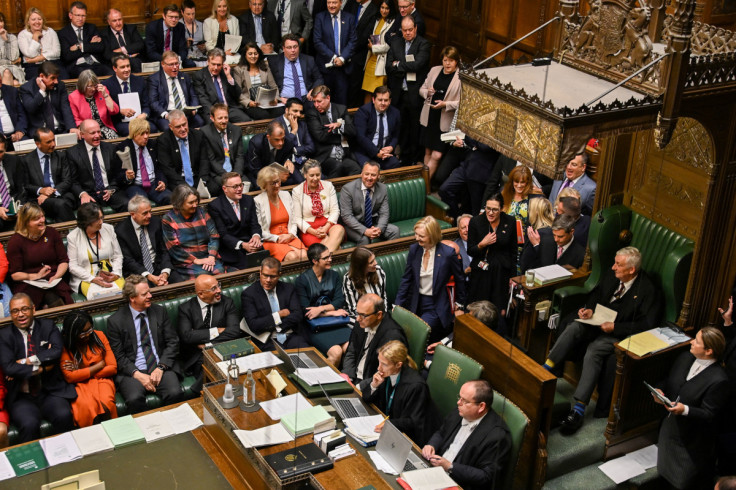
{"x":278,"y":407}
{"x":182,"y":418}
{"x":130,"y":101}
{"x":43,"y":283}
{"x":253,"y":362}
{"x":92,"y":439}
{"x":265,"y":436}
{"x":380,"y":463}
{"x":433,"y":478}
{"x":600,"y":316}
{"x":364,"y":426}
{"x":232,"y":43}
{"x":154,"y":426}
{"x":322,"y":375}
{"x":6,"y":469}
{"x":60,"y":449}
{"x":621,"y":469}
{"x":646,"y":456}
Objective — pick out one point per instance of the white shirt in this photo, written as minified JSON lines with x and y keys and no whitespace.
{"x":120,"y":82}
{"x":466,"y":428}
{"x":203,"y":307}
{"x":149,"y":165}
{"x":151,"y":250}
{"x":99,"y":159}
{"x":48,"y":45}
{"x":7,"y":122}
{"x":370,"y":333}
{"x":564,"y":249}
{"x":627,"y":286}
{"x":172,"y":104}
{"x":426,"y":275}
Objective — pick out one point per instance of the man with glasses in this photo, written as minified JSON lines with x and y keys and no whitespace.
{"x":376,"y":328}
{"x":272,"y":311}
{"x":167,"y":34}
{"x":30,"y":350}
{"x":236,"y":221}
{"x":145,"y":346}
{"x":170,"y":90}
{"x":408,"y":7}
{"x":81,"y":45}
{"x":206,"y":319}
{"x":474,"y":442}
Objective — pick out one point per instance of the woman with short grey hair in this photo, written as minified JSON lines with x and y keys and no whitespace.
{"x":92,"y":100}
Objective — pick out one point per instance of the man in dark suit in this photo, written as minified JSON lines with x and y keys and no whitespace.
{"x":364,"y":12}
{"x":81,"y":44}
{"x":142,"y":244}
{"x":364,"y":210}
{"x":407,"y":65}
{"x":125,"y":83}
{"x":297,"y":132}
{"x":474,"y":442}
{"x":11,"y":186}
{"x":224,"y":143}
{"x":48,"y":179}
{"x":120,"y":38}
{"x":236,"y":221}
{"x":377,"y":125}
{"x":571,"y":206}
{"x":630,"y":293}
{"x":557,"y":247}
{"x":147,"y":177}
{"x":47,"y":104}
{"x":292,"y":17}
{"x":273,"y":146}
{"x":30,"y":350}
{"x":167,"y":34}
{"x":408,"y":7}
{"x":215,"y":84}
{"x":168,"y":90}
{"x":376,"y":328}
{"x":181,"y":152}
{"x":207,"y":319}
{"x":96,"y":169}
{"x":10,"y":104}
{"x":330,"y":126}
{"x":334,"y":50}
{"x":145,"y":346}
{"x":272,"y":311}
{"x":259,"y":26}
{"x":291,"y":65}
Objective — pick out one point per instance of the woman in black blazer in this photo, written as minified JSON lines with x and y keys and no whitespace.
{"x":698,"y":389}
{"x":400,"y":392}
{"x":492,"y":244}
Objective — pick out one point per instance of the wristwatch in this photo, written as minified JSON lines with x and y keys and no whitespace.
{"x":449,"y":470}
{"x":162,"y":367}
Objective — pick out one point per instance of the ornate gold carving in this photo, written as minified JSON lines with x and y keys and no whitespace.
{"x":676,"y":189}
{"x":667,"y":219}
{"x":453,"y":372}
{"x":692,"y":145}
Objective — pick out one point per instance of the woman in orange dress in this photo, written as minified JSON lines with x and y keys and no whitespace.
{"x":273,"y":207}
{"x":89,"y":363}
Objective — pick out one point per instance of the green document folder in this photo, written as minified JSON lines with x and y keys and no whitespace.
{"x":27,"y":459}
{"x":123,"y":431}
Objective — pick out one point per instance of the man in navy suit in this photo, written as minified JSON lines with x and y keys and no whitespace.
{"x":576,"y":178}
{"x":47,"y":104}
{"x":286,"y":64}
{"x":81,"y":44}
{"x":557,"y":247}
{"x":168,"y":90}
{"x":377,"y":125}
{"x":408,"y":7}
{"x":264,"y":149}
{"x":296,"y":131}
{"x":181,"y":152}
{"x":571,"y":207}
{"x":236,"y":221}
{"x":272,"y":311}
{"x":15,"y":125}
{"x":30,"y":350}
{"x":120,"y":38}
{"x":167,"y":34}
{"x":215,"y":84}
{"x":365,"y":15}
{"x":223,"y":143}
{"x":259,"y":26}
{"x":334,"y":42}
{"x":125,"y":82}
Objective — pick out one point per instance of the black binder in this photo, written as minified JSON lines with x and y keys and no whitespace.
{"x":308,"y":458}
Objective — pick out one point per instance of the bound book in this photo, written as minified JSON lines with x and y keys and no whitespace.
{"x":27,"y":459}
{"x":301,"y":459}
{"x":303,"y":421}
{"x":550,"y":273}
{"x":237,"y":347}
{"x":427,"y":479}
{"x":123,"y":431}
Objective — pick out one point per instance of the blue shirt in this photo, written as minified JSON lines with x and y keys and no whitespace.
{"x":41,"y":156}
{"x":149,"y":165}
{"x":140,"y":359}
{"x":288,"y":88}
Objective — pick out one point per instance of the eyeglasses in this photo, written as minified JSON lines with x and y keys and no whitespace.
{"x":463,"y":401}
{"x":212,"y":289}
{"x":328,"y":257}
{"x":25,"y":309}
{"x":172,"y":64}
{"x":364,"y":315}
{"x":236,"y":186}
{"x":275,"y":183}
{"x":86,"y":333}
{"x":492,"y":210}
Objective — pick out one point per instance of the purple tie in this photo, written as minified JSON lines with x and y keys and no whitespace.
{"x":4,"y":194}
{"x":566,"y":184}
{"x":145,"y":180}
{"x":297,"y":82}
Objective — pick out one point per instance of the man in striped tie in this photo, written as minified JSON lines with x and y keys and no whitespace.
{"x":145,"y":346}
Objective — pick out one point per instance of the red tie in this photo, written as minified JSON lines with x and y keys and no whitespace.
{"x":559,"y":252}
{"x":167,"y":42}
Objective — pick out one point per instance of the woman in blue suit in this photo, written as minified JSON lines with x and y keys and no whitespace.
{"x":429,"y":267}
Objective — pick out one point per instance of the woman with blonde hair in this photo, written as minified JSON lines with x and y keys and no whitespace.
{"x":566,"y":192}
{"x":400,"y":392}
{"x":316,"y":210}
{"x":219,"y":24}
{"x":38,"y":43}
{"x":12,"y":73}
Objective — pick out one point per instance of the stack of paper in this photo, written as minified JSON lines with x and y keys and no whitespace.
{"x":363,"y":429}
{"x":92,"y":439}
{"x":279,"y":407}
{"x":154,"y":426}
{"x":182,"y":418}
{"x":550,"y":273}
{"x":428,"y":479}
{"x":653,"y":340}
{"x":323,"y":375}
{"x":265,"y":436}
{"x":633,"y":464}
{"x":253,"y":362}
{"x":6,"y":469}
{"x":123,"y":431}
{"x":600,"y":316}
{"x":303,"y":421}
{"x":60,"y":449}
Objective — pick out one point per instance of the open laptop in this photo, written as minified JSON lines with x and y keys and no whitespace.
{"x":346,"y":408}
{"x":294,"y":361}
{"x":395,"y":448}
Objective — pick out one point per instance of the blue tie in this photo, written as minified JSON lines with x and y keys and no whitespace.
{"x":273,"y":301}
{"x":368,"y":209}
{"x":185,"y":162}
{"x":46,"y":172}
{"x":219,"y":91}
{"x":380,"y":130}
{"x":125,"y":87}
{"x":336,"y":32}
{"x":226,"y":165}
{"x":97,"y":170}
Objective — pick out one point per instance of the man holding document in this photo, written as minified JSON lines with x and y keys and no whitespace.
{"x":129,"y":92}
{"x":630,"y":295}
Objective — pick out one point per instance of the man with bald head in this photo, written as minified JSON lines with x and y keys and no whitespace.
{"x":206,"y":319}
{"x":376,"y":328}
{"x":122,"y":38}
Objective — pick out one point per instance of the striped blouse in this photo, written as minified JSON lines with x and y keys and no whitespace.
{"x":352,"y":295}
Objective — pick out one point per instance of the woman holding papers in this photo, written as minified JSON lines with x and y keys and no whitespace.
{"x":384,"y":30}
{"x":92,"y":100}
{"x":89,"y":363}
{"x":401,"y":393}
{"x":698,"y":388}
{"x":219,"y":24}
{"x":251,"y":74}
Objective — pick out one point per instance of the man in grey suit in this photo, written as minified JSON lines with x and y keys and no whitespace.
{"x":576,"y":178}
{"x":364,"y":208}
{"x":292,"y":17}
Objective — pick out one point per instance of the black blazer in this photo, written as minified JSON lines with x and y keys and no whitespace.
{"x":213,"y":164}
{"x":169,"y":156}
{"x":387,"y":330}
{"x":545,"y":253}
{"x":481,"y":460}
{"x":257,"y":309}
{"x":159,"y":173}
{"x":158,"y":92}
{"x":259,"y":156}
{"x":323,"y":139}
{"x":155,"y":42}
{"x":137,"y":84}
{"x":420,"y":48}
{"x":503,"y":252}
{"x":33,"y":103}
{"x":192,"y":331}
{"x":363,"y":27}
{"x":68,"y":38}
{"x":207,"y":94}
{"x":49,"y":344}
{"x":84,"y":179}
{"x":310,"y":73}
{"x":16,"y":111}
{"x":133,"y":42}
{"x":419,"y":19}
{"x":61,"y":172}
{"x":366,"y":121}
{"x":232,"y":230}
{"x":269,"y":27}
{"x":13,"y":165}
{"x":131,"y":247}
{"x":301,"y":141}
{"x":124,"y":344}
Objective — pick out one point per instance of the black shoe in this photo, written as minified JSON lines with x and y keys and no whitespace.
{"x":571,"y":423}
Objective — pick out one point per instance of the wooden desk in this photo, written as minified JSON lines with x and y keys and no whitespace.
{"x":534,"y":336}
